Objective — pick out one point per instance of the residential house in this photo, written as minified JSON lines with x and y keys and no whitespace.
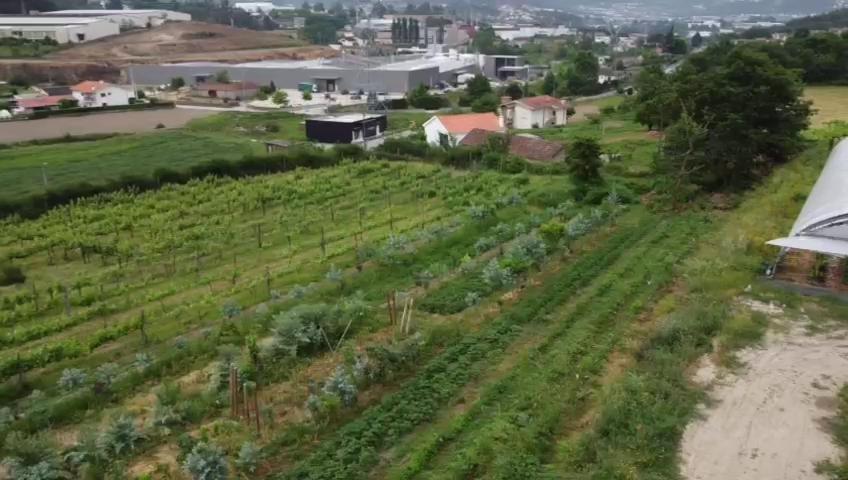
{"x":534,"y":112}
{"x":228,"y":91}
{"x":100,"y":94}
{"x":449,"y":130}
{"x":529,"y":148}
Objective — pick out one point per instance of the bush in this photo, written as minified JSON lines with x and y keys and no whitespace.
{"x":487,"y":103}
{"x":120,"y":437}
{"x":206,"y":462}
{"x":248,"y":458}
{"x":72,"y":379}
{"x":11,"y":274}
{"x":496,"y":276}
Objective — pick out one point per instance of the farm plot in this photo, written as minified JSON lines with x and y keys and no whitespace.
{"x":112,"y":281}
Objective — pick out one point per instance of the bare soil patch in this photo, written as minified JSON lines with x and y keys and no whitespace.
{"x":186,"y":41}
{"x":769,"y":419}
{"x":116,"y":122}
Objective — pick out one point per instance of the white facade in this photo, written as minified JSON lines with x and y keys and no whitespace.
{"x":61,"y":29}
{"x":125,"y":19}
{"x":107,"y":96}
{"x":521,"y":116}
{"x":437,"y":134}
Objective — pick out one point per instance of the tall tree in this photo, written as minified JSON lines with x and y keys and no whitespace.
{"x":697,"y":40}
{"x":404,"y":30}
{"x":582,"y":77}
{"x":549,"y":84}
{"x":752,"y":108}
{"x":378,"y":10}
{"x":584,"y":160}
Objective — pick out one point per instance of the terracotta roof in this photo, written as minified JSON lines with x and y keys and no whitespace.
{"x":467,"y":122}
{"x":227,"y":87}
{"x":525,"y":147}
{"x":89,"y":86}
{"x":544,"y":101}
{"x":40,"y":102}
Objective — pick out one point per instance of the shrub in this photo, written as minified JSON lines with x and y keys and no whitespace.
{"x":11,"y":274}
{"x":121,"y":436}
{"x":105,"y":375}
{"x":471,"y":299}
{"x":281,"y":98}
{"x":496,"y":276}
{"x":206,"y":462}
{"x":31,"y":458}
{"x":341,"y":384}
{"x":307,"y":96}
{"x":72,"y":379}
{"x":248,"y":458}
{"x":487,"y":103}
{"x":297,"y":331}
{"x":230,"y":310}
{"x":143,"y":361}
{"x":485,"y":244}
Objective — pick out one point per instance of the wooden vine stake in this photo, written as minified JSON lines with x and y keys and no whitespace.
{"x":406,"y":316}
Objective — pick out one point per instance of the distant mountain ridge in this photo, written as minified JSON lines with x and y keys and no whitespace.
{"x":834,"y":19}
{"x":710,"y":7}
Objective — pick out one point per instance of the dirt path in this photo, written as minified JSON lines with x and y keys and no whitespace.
{"x":770,"y":419}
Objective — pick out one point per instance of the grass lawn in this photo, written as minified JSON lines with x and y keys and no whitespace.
{"x":97,"y":161}
{"x":264,"y":126}
{"x":831,"y":103}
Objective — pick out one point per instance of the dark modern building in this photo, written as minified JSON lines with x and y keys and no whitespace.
{"x":353,"y":128}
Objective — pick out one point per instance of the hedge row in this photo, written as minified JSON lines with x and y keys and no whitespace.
{"x":111,"y":108}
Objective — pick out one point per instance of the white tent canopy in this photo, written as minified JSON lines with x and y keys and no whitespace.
{"x":822,"y":225}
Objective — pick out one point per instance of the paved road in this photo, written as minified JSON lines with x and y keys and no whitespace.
{"x":114,"y":122}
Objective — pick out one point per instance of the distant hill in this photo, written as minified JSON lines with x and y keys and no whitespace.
{"x":834,"y":19}
{"x":709,"y":7}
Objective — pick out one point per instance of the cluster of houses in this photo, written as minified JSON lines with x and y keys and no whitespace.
{"x":468,"y":129}
{"x":87,"y":94}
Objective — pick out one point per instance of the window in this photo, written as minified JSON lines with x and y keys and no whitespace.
{"x":444,"y":140}
{"x":102,"y":95}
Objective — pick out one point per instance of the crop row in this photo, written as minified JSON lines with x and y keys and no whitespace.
{"x":551,"y":383}
{"x":356,"y":445}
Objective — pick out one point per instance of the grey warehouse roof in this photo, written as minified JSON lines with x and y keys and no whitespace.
{"x":822,"y":225}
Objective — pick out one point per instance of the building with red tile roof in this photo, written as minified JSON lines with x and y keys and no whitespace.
{"x":530,"y":148}
{"x":535,"y":112}
{"x":447,"y":130}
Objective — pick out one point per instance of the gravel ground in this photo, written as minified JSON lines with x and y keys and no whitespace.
{"x":116,"y":122}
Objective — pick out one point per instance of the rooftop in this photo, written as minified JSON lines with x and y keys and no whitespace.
{"x":348,"y":118}
{"x":467,"y":122}
{"x":543,"y":101}
{"x":90,"y":86}
{"x":97,"y":13}
{"x":39,"y":102}
{"x":21,"y":20}
{"x":525,"y":147}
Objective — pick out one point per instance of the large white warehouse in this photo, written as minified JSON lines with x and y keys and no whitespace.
{"x":60,"y":29}
{"x":126,"y":19}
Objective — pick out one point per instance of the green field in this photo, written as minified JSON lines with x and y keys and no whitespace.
{"x":830,"y":103}
{"x":101,"y":160}
{"x":228,"y":136}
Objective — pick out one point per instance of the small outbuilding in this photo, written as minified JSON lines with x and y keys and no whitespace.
{"x":529,"y":148}
{"x":228,"y":91}
{"x":353,"y":128}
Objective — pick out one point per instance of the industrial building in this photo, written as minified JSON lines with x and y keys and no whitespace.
{"x":60,"y":29}
{"x":346,"y":73}
{"x":125,"y":19}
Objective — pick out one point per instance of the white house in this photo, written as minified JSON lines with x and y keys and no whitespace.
{"x":100,"y":94}
{"x":449,"y":130}
{"x":534,"y":112}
